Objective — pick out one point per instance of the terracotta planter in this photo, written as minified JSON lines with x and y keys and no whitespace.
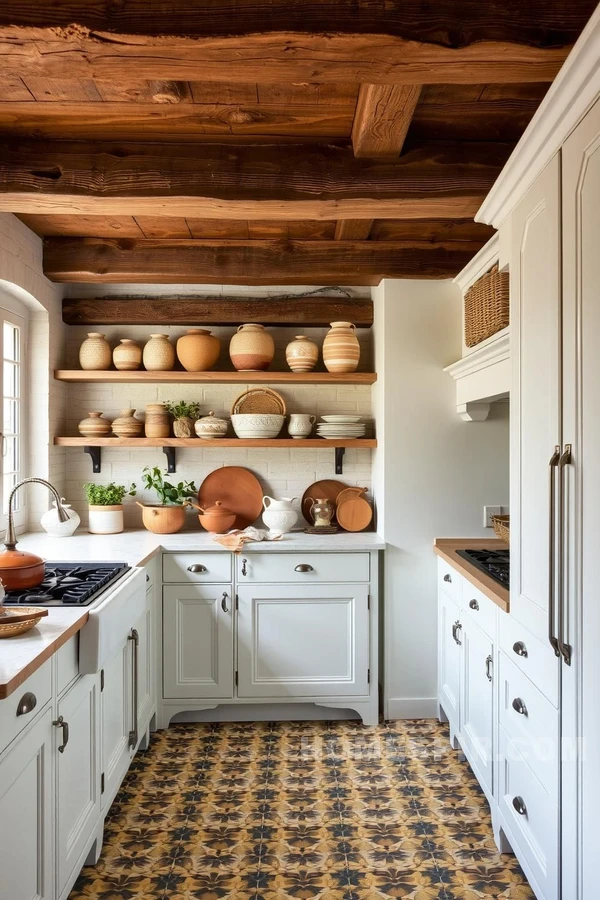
{"x":251,"y":349}
{"x":127,"y":355}
{"x":184,"y":427}
{"x":341,"y":350}
{"x":159,"y":354}
{"x":95,"y":353}
{"x":302,"y":354}
{"x":94,"y":426}
{"x":198,"y":350}
{"x":163,"y":519}
{"x":105,"y":519}
{"x":126,"y":424}
{"x":158,"y":421}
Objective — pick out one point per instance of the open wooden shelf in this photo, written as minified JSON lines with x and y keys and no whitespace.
{"x":112,"y":376}
{"x":321,"y":443}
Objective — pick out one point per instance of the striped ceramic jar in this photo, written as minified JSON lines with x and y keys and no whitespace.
{"x":341,"y":350}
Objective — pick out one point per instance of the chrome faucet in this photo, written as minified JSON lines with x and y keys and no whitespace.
{"x":10,"y":540}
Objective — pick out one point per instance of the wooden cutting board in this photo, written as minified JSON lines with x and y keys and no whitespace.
{"x":328,"y":489}
{"x":354,"y":514}
{"x":350,"y":492}
{"x":238,"y":489}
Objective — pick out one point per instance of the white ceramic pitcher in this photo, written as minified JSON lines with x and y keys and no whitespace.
{"x":279,"y":515}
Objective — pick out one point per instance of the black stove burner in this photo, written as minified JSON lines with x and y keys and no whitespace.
{"x":495,"y":563}
{"x":68,"y":584}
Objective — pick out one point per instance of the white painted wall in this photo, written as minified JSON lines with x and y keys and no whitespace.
{"x":432,"y":474}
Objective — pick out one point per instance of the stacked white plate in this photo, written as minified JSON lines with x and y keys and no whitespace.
{"x":336,"y":427}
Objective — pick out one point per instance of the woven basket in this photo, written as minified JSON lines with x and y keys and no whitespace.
{"x":486,"y":307}
{"x":502,"y":527}
{"x":262,"y":401}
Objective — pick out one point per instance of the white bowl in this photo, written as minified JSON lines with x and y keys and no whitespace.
{"x":257,"y":425}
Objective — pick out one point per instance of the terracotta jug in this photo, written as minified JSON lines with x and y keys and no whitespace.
{"x":341,"y":350}
{"x":127,"y":355}
{"x":159,"y":354}
{"x":198,"y":350}
{"x":95,"y":353}
{"x":251,"y":349}
{"x":94,"y":425}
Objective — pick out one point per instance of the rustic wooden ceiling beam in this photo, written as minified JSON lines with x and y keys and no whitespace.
{"x":245,"y":182}
{"x":249,"y":262}
{"x":382,"y":119}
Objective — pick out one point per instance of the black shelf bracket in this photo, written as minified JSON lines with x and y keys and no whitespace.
{"x":171,"y":454}
{"x":96,"y":455}
{"x":339,"y":460}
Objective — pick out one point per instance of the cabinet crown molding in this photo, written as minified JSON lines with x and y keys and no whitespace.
{"x":481,"y":263}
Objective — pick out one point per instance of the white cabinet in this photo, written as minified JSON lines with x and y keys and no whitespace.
{"x":303,"y":640}
{"x":144,"y":669}
{"x":116,"y":722}
{"x":198,"y":641}
{"x":26,"y":820}
{"x":477,"y":703}
{"x":449,"y":656}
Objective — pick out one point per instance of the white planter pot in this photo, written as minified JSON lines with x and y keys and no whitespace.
{"x":105,"y":519}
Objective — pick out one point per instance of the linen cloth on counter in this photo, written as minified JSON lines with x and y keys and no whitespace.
{"x":235,"y":540}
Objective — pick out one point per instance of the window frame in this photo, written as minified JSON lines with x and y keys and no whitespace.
{"x":16,"y":314}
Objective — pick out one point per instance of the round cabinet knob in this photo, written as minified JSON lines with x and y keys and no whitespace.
{"x":520,"y":648}
{"x":197,"y":569}
{"x":448,"y":578}
{"x":304,"y":567}
{"x":473,"y":604}
{"x":519,"y":706}
{"x":27,"y":703}
{"x":519,"y":805}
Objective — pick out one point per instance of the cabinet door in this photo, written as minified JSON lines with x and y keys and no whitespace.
{"x":535,"y":313}
{"x":116,"y":722}
{"x":26,"y":826}
{"x":78,"y":773}
{"x":145,"y":668}
{"x":197,"y":641}
{"x":477,"y":703}
{"x":449,"y":658}
{"x":303,"y":640}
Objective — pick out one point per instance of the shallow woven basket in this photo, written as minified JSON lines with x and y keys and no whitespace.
{"x":502,"y":527}
{"x":263,"y":401}
{"x":486,"y":307}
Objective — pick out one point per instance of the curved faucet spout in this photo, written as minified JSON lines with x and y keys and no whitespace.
{"x":10,"y":540}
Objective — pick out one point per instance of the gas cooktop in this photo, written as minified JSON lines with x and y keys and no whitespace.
{"x":69,"y":584}
{"x":495,"y":563}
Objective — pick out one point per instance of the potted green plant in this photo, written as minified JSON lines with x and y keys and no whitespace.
{"x":184,"y":415}
{"x":168,"y":515}
{"x":105,"y":504}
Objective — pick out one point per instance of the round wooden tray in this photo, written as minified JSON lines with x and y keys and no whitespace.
{"x":19,"y":619}
{"x":238,"y":489}
{"x":260,"y":401}
{"x":354,"y":514}
{"x":328,"y":489}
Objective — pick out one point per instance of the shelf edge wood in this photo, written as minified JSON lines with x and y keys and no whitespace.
{"x":82,"y":376}
{"x":281,"y":443}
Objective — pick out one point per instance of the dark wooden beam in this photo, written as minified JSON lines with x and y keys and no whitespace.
{"x":249,"y":262}
{"x":245,"y":182}
{"x":353,"y":229}
{"x":302,"y":311}
{"x":382,"y":118}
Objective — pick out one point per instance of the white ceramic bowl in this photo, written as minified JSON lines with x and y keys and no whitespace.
{"x":257,"y":425}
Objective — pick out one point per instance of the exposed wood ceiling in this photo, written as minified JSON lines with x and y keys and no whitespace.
{"x":266,"y":142}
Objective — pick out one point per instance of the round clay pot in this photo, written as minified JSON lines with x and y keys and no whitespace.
{"x":217,"y":518}
{"x":163,"y":519}
{"x":126,"y":425}
{"x":341,"y":350}
{"x":94,"y":425}
{"x":158,"y":421}
{"x":95,"y":353}
{"x":183,"y":427}
{"x":251,"y":349}
{"x":198,"y":350}
{"x":127,"y":355}
{"x":302,"y":354}
{"x":159,"y":354}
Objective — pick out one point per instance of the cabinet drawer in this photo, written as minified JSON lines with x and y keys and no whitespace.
{"x":302,"y":568}
{"x":535,"y":658}
{"x":197,"y":568}
{"x":13,"y":721}
{"x":480,"y":609}
{"x":535,"y":830}
{"x":531,"y":722}
{"x":449,"y":580}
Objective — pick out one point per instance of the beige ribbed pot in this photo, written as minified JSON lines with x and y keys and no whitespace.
{"x":159,"y":354}
{"x":251,"y":349}
{"x":302,"y":354}
{"x":341,"y":350}
{"x":158,"y":421}
{"x":198,"y":350}
{"x":94,"y":425}
{"x":127,"y":355}
{"x":95,"y":353}
{"x":126,"y":425}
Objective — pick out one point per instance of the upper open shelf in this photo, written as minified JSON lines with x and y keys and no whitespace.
{"x":112,"y":376}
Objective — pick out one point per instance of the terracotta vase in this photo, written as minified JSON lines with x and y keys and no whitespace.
{"x":198,"y":350}
{"x":95,"y":353}
{"x":302,"y":354}
{"x":251,"y":349}
{"x":159,"y":354}
{"x":184,"y":427}
{"x":158,"y":421}
{"x":341,"y":350}
{"x":127,"y":355}
{"x":126,"y":425}
{"x":94,"y":425}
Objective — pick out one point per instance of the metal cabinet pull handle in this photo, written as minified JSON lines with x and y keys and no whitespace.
{"x":520,"y":649}
{"x":60,"y":723}
{"x":473,"y":604}
{"x":455,"y":629}
{"x":224,"y":606}
{"x":552,"y":465}
{"x":147,"y":578}
{"x":244,"y":567}
{"x":488,"y":667}
{"x":565,"y":649}
{"x":519,"y":706}
{"x":27,"y":703}
{"x":519,"y":805}
{"x":197,"y":569}
{"x":303,"y":567}
{"x":133,"y":734}
{"x":448,"y":578}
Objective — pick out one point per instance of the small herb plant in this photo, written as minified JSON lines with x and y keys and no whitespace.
{"x":107,"y":494}
{"x":168,"y":494}
{"x":183,"y":410}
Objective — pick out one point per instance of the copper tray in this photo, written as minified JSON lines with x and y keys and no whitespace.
{"x":238,"y":489}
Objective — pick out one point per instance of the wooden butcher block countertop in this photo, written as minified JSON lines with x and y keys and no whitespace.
{"x":447,"y":547}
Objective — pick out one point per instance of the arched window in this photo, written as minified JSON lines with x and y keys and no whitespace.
{"x":13,"y":345}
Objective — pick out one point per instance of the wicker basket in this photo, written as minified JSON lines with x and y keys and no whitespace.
{"x":262,"y":401}
{"x":486,"y":307}
{"x":502,"y":527}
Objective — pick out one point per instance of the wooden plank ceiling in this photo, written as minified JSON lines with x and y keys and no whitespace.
{"x":280,"y":142}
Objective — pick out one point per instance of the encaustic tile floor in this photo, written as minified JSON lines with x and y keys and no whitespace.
{"x":330,"y":811}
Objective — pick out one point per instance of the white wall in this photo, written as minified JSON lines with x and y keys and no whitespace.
{"x":432,"y":474}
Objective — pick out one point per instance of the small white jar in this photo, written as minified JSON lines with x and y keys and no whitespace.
{"x":54,"y":527}
{"x":105,"y":520}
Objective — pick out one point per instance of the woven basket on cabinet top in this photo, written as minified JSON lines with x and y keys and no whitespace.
{"x":502,"y":527}
{"x":486,"y":307}
{"x":261,"y":401}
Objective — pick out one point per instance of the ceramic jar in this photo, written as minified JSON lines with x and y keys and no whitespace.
{"x":198,"y":350}
{"x":210,"y":427}
{"x":158,"y":421}
{"x":322,"y":512}
{"x":216,"y":519}
{"x":159,"y":354}
{"x":183,"y":427}
{"x":105,"y":519}
{"x":127,"y":355}
{"x":126,"y":425}
{"x":300,"y":425}
{"x":341,"y":350}
{"x":95,"y":353}
{"x":301,"y":354}
{"x":54,"y":527}
{"x":251,"y":349}
{"x":279,"y":515}
{"x":94,"y":426}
